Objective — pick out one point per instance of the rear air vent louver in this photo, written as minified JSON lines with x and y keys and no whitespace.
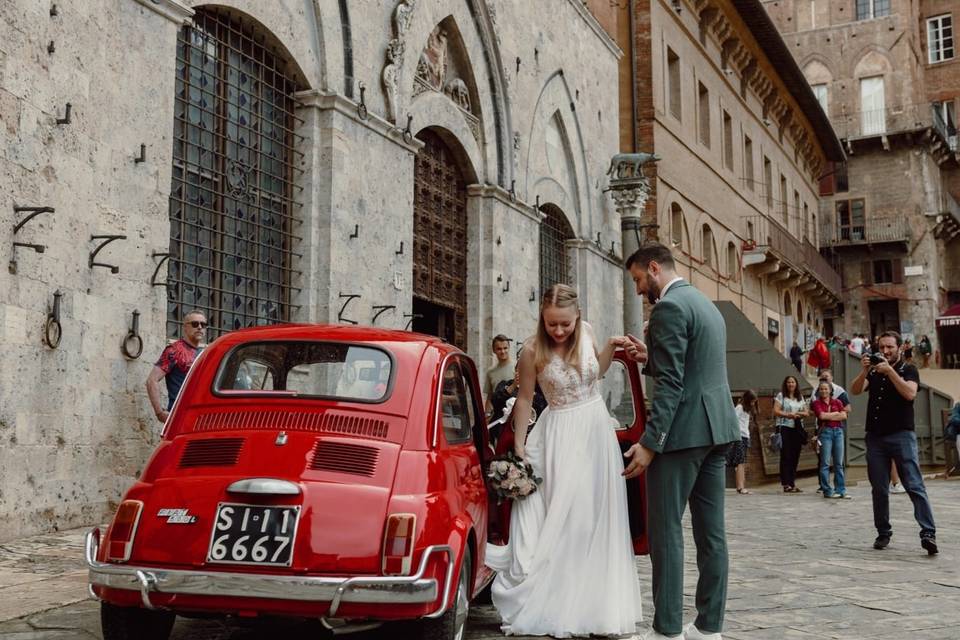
{"x":219,"y":452}
{"x":327,"y":422}
{"x":342,"y":457}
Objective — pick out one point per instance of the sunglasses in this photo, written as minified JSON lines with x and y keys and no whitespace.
{"x":197,"y":324}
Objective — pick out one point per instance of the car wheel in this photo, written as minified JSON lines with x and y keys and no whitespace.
{"x":453,"y":623}
{"x":134,"y":623}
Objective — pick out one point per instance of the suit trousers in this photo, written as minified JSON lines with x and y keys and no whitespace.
{"x":674,"y":479}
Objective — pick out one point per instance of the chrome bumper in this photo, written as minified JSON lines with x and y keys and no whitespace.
{"x":413,"y":589}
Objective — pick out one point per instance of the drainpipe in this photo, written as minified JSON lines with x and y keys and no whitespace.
{"x":634,"y":130}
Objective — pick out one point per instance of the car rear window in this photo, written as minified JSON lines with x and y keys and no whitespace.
{"x":310,"y":369}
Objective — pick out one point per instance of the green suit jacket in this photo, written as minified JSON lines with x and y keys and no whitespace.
{"x":687,"y":347}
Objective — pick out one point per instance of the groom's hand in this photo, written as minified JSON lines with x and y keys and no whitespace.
{"x":635,"y":349}
{"x":640,"y":458}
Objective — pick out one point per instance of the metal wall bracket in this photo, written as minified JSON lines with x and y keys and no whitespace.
{"x":362,"y":105}
{"x":54,"y":11}
{"x":143,"y":155}
{"x":107,"y":239}
{"x":52,"y":331}
{"x":349,"y":298}
{"x":400,"y":252}
{"x":412,"y":317}
{"x":132,"y":345}
{"x":533,"y":296}
{"x":407,"y":132}
{"x":381,"y":309}
{"x":163,"y":258}
{"x":356,"y":232}
{"x":67,"y":116}
{"x":51,"y":47}
{"x":39,"y":248}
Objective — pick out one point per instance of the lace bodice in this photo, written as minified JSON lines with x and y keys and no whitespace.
{"x":562,"y":384}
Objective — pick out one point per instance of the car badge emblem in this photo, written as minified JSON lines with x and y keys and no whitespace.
{"x":281,"y":439}
{"x":177,"y":516}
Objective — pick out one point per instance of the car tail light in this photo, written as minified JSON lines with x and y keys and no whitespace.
{"x":123,"y":530}
{"x":398,"y":544}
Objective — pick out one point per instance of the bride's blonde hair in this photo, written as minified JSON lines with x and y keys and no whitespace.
{"x":560,"y":296}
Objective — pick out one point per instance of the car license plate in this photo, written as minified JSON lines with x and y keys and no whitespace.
{"x":253,"y":534}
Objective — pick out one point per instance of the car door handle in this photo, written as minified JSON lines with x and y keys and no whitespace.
{"x":265,"y":486}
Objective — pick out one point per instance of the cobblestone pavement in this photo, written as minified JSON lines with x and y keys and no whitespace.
{"x":801,"y":567}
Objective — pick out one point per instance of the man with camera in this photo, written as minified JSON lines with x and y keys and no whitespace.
{"x":892,"y":385}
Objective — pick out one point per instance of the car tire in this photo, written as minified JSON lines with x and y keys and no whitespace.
{"x":453,"y":623}
{"x":134,"y":623}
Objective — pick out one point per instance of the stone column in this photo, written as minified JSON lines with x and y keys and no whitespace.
{"x":629,"y":197}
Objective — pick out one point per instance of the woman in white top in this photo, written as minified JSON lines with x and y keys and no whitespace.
{"x":737,"y":454}
{"x":789,"y":409}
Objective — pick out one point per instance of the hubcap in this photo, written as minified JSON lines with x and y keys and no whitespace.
{"x":462,"y":607}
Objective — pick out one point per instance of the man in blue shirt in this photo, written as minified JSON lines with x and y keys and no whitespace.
{"x":174,"y":363}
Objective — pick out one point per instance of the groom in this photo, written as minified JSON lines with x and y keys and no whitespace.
{"x":690,"y":426}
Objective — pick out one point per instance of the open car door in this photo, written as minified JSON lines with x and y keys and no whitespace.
{"x":622,"y":392}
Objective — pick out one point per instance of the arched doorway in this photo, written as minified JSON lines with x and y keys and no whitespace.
{"x":439,"y":242}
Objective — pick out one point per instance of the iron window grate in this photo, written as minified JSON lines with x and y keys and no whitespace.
{"x":554,"y":234}
{"x":233,"y":209}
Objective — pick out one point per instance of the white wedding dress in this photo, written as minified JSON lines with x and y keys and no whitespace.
{"x":568,"y":569}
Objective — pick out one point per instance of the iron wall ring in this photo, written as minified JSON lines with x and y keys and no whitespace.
{"x":362,"y":111}
{"x":52,"y":332}
{"x":133,"y":354}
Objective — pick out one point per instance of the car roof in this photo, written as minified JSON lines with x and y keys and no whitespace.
{"x":335,"y":332}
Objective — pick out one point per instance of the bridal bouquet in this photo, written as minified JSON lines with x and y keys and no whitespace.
{"x":511,"y":478}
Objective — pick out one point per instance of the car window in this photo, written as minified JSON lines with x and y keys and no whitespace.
{"x":324,"y":369}
{"x":253,"y":374}
{"x":618,"y":395}
{"x":456,"y":405}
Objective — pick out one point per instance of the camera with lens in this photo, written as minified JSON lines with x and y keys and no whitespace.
{"x":876,"y":358}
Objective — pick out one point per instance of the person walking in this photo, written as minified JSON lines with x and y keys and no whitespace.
{"x":746,"y":411}
{"x":174,"y":363}
{"x":683,"y":447}
{"x":892,"y":385}
{"x":789,"y":410}
{"x":830,"y":415}
{"x":796,"y":356}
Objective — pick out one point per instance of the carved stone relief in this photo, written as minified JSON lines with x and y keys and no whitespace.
{"x":441,"y":68}
{"x":395,"y":53}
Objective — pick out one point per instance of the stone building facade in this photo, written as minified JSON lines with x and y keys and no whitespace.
{"x":743,"y":143}
{"x":406,"y":163}
{"x":890,"y":219}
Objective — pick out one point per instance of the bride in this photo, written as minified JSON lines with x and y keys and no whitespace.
{"x":568,"y":569}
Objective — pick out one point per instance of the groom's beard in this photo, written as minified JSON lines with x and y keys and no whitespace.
{"x":653,"y":290}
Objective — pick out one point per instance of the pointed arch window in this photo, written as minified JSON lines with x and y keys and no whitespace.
{"x":233,"y":208}
{"x":555,"y":231}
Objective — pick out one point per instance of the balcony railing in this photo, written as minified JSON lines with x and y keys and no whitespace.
{"x":822,"y":269}
{"x":876,"y":122}
{"x":946,"y":128}
{"x":801,"y":255}
{"x":874,"y":230}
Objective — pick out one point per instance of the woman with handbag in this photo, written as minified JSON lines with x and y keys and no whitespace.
{"x":789,"y":409}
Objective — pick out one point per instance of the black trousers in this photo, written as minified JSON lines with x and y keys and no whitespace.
{"x":789,"y":455}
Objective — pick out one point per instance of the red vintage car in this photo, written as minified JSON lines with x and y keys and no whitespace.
{"x":324,"y":472}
